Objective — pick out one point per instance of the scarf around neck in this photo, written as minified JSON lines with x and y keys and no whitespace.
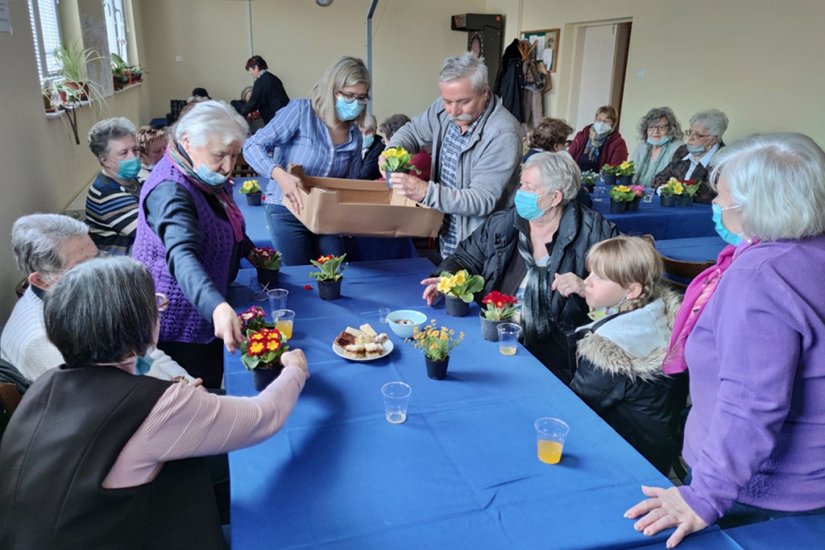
{"x":537,"y":323}
{"x":594,"y":144}
{"x":224,"y":196}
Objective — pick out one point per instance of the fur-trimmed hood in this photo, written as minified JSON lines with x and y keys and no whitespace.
{"x":633,"y":344}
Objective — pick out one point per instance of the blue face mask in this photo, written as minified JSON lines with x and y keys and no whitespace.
{"x":347,"y":110}
{"x":210,"y":177}
{"x":143,"y":364}
{"x":658,"y":142}
{"x":696,"y":149}
{"x":129,"y":168}
{"x":368,"y":140}
{"x":727,"y":236}
{"x":527,"y":205}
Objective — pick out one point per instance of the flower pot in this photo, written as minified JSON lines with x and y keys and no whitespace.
{"x":389,"y":173}
{"x":617,"y":207}
{"x":489,"y":330}
{"x":456,"y":307}
{"x":253,"y":199}
{"x":668,"y":201}
{"x":626,"y":180}
{"x":633,"y":206}
{"x":329,"y":290}
{"x":267,"y":277}
{"x":437,"y":370}
{"x":685,"y":200}
{"x":263,"y":376}
{"x":609,"y":179}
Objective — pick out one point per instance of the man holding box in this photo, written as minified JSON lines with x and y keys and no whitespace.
{"x":476,"y":149}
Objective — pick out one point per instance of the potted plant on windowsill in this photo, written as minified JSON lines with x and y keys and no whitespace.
{"x":624,"y":197}
{"x":458,"y":290}
{"x":267,"y":262}
{"x":75,"y":86}
{"x":261,"y":353}
{"x":397,"y":159}
{"x":329,"y":275}
{"x":436,"y":344}
{"x":500,"y":309}
{"x":252,"y":190}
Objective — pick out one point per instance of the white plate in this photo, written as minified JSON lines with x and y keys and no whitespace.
{"x":339,"y":351}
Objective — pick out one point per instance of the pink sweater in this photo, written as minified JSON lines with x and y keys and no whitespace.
{"x":187,"y":421}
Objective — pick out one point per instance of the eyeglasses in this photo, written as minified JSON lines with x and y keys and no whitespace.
{"x":691,"y":134}
{"x":659,"y":128}
{"x":349,"y":98}
{"x":161,"y":301}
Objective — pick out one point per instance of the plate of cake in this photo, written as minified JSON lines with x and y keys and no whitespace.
{"x":362,"y":344}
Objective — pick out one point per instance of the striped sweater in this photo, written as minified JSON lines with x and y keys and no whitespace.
{"x":111,"y":214}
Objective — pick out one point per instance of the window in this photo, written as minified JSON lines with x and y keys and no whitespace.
{"x":45,"y":22}
{"x":116,"y":28}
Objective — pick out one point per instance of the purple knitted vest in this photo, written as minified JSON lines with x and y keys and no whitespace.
{"x":181,"y":322}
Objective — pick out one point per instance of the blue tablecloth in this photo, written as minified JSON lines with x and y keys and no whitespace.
{"x":357,"y":248}
{"x":698,"y":249}
{"x":663,"y":223}
{"x":797,"y":532}
{"x":461,"y":472}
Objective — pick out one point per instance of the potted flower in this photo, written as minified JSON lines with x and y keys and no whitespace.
{"x":622,"y":196}
{"x":500,"y":309}
{"x":252,"y":190}
{"x":589,"y":178}
{"x":671,"y":192}
{"x":261,"y":353}
{"x":253,"y":319}
{"x":609,"y":174}
{"x":458,"y":290}
{"x":267,"y":262}
{"x":397,"y":159}
{"x":75,"y":85}
{"x":436,"y":343}
{"x":329,"y":275}
{"x":691,"y":188}
{"x":625,"y":172}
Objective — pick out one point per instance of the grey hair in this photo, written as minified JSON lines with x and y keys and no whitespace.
{"x":466,"y":65}
{"x":712,"y":120}
{"x":36,"y":240}
{"x":392,"y":124}
{"x":347,"y":71}
{"x":111,"y":128}
{"x":245,"y":90}
{"x":779,"y":179}
{"x":557,"y":171}
{"x":212,"y":120}
{"x":652,"y":117}
{"x":369,"y":123}
{"x":101,"y":311}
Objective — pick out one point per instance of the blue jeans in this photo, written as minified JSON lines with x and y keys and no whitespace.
{"x":294,"y":241}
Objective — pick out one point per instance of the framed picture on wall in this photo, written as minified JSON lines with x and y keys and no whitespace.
{"x":546,"y":46}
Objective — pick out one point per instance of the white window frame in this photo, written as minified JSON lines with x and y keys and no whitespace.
{"x":44,"y":16}
{"x":114,"y":11}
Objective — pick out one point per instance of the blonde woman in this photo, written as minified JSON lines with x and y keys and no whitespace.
{"x":321,"y":134}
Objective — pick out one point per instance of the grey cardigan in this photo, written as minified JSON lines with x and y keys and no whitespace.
{"x":488,"y":168}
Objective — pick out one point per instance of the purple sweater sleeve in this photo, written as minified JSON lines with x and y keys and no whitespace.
{"x":757,"y":331}
{"x":187,"y":421}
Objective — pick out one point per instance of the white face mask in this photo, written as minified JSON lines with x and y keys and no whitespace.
{"x":602,"y":127}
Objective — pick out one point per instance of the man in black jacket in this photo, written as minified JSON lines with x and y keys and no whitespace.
{"x":520,"y":251}
{"x":268,"y":94}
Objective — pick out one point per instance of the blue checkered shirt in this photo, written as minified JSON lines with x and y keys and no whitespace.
{"x":454,"y":144}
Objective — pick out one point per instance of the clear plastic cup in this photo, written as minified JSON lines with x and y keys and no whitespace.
{"x":277,"y":299}
{"x":508,"y":335}
{"x":396,"y":400}
{"x":382,"y":314}
{"x":284,"y":321}
{"x":550,"y":435}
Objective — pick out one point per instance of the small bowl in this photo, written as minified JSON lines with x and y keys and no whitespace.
{"x":416,"y":319}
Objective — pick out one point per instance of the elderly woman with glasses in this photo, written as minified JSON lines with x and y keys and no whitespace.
{"x":96,"y":457}
{"x":692,"y":161}
{"x":320,"y":134}
{"x":660,"y":135}
{"x":520,"y":251}
{"x":191,"y":237}
{"x":755,"y":434}
{"x":112,"y":201}
{"x":599,"y":143}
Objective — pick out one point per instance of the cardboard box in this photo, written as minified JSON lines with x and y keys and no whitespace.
{"x":361,"y":207}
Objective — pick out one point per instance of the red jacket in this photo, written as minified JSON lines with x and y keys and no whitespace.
{"x":614,"y":149}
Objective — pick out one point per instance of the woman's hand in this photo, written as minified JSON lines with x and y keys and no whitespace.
{"x":665,"y":508}
{"x":290,"y":186}
{"x":567,"y":284}
{"x":227,"y":326}
{"x":409,"y":186}
{"x":431,"y":293}
{"x":295,"y":358}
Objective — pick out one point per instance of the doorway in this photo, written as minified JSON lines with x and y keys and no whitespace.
{"x":599,"y":67}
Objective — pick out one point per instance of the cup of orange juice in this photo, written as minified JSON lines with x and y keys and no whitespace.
{"x":551,"y":433}
{"x":284,"y":320}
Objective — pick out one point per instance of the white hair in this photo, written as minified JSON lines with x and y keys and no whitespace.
{"x":779,"y":179}
{"x":466,"y":65}
{"x":36,"y":240}
{"x":712,"y":120}
{"x":212,"y":120}
{"x":557,"y":171}
{"x":369,"y":123}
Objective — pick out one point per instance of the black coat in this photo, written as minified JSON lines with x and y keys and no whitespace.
{"x":268,"y":95}
{"x":491,"y":251}
{"x":369,"y":166}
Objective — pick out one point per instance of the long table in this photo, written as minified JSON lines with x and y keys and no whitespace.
{"x":461,"y":472}
{"x":663,"y":223}
{"x":696,"y":249}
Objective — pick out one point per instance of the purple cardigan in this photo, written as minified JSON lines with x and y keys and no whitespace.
{"x":756,"y":432}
